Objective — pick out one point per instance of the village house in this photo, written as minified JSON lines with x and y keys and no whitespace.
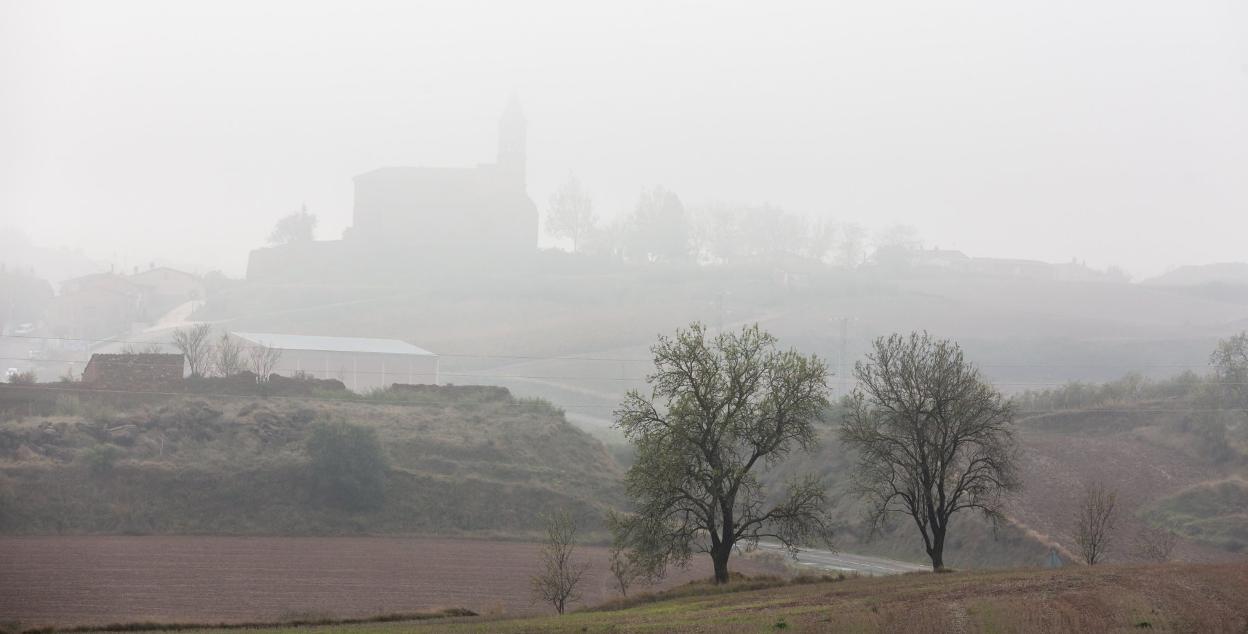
{"x":136,"y":372}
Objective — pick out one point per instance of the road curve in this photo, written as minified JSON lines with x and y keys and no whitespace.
{"x":826,"y":560}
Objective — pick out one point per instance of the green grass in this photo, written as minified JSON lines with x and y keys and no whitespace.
{"x":1215,"y":514}
{"x":461,"y":462}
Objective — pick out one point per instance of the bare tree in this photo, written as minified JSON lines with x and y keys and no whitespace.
{"x":148,"y":348}
{"x":227,"y":357}
{"x":932,"y":437}
{"x":721,"y":410}
{"x":658,"y":229}
{"x":1094,"y":522}
{"x":556,"y":583}
{"x":1155,"y":544}
{"x":851,"y":249}
{"x":571,"y":213}
{"x":625,"y":569}
{"x":193,"y":343}
{"x":263,"y":360}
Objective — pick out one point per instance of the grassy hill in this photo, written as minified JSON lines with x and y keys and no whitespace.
{"x":460,"y":461}
{"x":1172,"y":598}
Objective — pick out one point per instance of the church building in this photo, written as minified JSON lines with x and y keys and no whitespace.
{"x":482,"y":210}
{"x":411,"y":217}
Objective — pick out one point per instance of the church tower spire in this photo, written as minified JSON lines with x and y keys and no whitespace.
{"x":512,"y":135}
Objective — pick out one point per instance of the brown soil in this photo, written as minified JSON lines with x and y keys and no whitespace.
{"x":1058,"y":462}
{"x":98,"y":580}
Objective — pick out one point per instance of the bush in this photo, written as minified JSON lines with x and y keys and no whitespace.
{"x":23,"y":378}
{"x":348,"y":466}
{"x":67,"y":405}
{"x":100,"y":459}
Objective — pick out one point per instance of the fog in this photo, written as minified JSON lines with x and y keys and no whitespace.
{"x":350,"y":313}
{"x":1110,"y":132}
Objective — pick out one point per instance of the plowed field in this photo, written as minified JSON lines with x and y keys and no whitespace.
{"x":96,"y":580}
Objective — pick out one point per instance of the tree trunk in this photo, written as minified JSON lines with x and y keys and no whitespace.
{"x":719,"y":556}
{"x":937,"y":551}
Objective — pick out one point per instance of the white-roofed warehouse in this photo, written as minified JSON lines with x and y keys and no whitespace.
{"x":361,"y":363}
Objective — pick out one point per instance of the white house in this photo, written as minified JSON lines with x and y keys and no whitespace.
{"x":362,"y":364}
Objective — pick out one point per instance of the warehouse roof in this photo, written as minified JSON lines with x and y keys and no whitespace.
{"x":332,"y":344}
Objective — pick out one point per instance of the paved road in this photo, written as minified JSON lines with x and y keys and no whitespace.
{"x":845,"y":562}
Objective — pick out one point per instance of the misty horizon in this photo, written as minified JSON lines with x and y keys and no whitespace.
{"x":1112,"y":134}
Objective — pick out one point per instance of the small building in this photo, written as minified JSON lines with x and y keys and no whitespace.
{"x":138,"y":372}
{"x":362,"y":364}
{"x":94,"y":307}
{"x":164,"y":287}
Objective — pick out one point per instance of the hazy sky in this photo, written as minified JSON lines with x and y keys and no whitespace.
{"x":1116,"y":132}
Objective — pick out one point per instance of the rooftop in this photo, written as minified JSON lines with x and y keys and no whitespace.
{"x":332,"y":344}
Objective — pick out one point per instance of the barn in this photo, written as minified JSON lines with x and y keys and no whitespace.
{"x":362,"y":364}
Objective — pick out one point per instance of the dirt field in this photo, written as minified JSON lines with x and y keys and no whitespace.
{"x":1058,"y":461}
{"x":96,"y":580}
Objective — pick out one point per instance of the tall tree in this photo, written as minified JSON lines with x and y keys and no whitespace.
{"x":262,"y":359}
{"x":1230,"y":364}
{"x":571,"y":213}
{"x":658,"y":229}
{"x":932,"y":437}
{"x":227,"y":357}
{"x":851,"y":249}
{"x":721,"y":409}
{"x":296,"y":227}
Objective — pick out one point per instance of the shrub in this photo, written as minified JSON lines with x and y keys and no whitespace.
{"x":23,"y":378}
{"x":100,"y":459}
{"x":67,"y":405}
{"x":348,"y":466}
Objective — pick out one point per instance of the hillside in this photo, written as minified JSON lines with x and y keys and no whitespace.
{"x":577,"y":331}
{"x":461,"y":461}
{"x":1175,"y":464}
{"x":1173,"y":598}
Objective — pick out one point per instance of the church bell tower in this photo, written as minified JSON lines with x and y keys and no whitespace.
{"x":512,"y":131}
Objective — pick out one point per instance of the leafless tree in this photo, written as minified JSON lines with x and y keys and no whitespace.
{"x":135,"y":349}
{"x":263,"y":360}
{"x":625,"y":569}
{"x":851,"y":248}
{"x":658,"y":229}
{"x":1094,"y":522}
{"x":571,"y":213}
{"x":227,"y":356}
{"x":1155,"y":544}
{"x":560,"y":575}
{"x":932,"y":437}
{"x":193,"y":343}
